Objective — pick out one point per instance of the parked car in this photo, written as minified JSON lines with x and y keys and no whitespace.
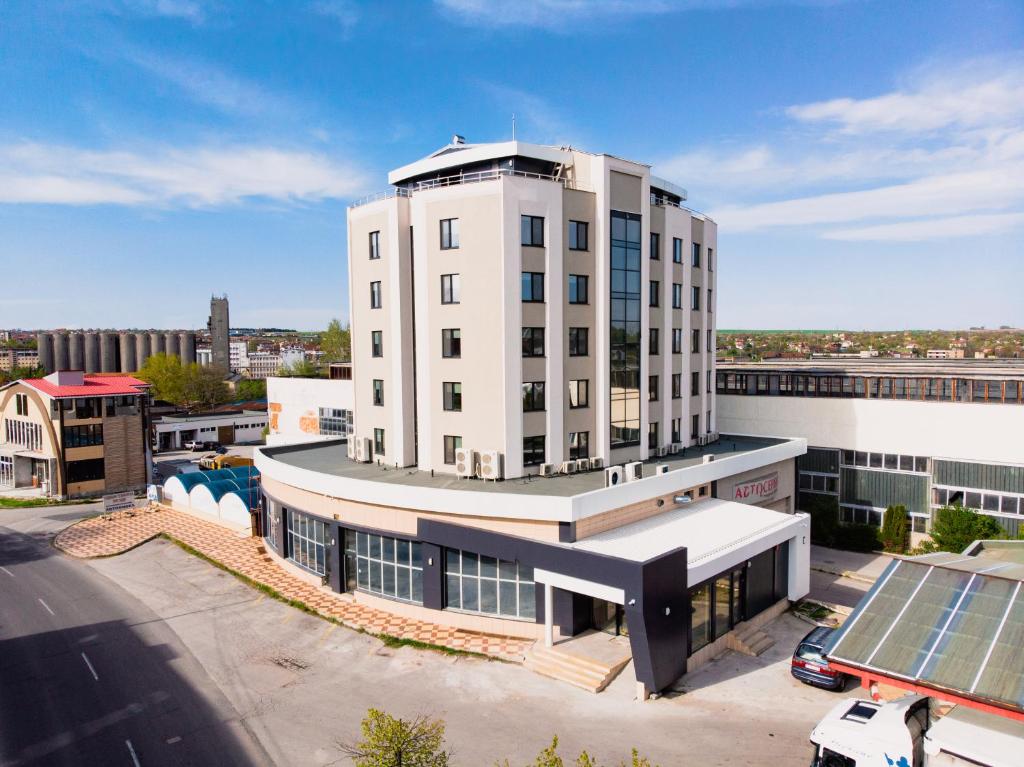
{"x":220,"y":450}
{"x":810,"y":666}
{"x":195,"y":445}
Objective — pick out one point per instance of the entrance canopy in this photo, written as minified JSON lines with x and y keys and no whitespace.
{"x":717,"y":534}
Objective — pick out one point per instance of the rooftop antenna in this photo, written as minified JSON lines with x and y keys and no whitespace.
{"x":513,"y":126}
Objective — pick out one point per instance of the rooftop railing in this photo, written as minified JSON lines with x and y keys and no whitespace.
{"x":466,"y":178}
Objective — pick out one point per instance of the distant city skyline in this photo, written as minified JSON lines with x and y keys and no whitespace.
{"x":864,"y":160}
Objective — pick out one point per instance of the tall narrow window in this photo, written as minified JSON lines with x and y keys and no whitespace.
{"x":677,"y":250}
{"x":655,"y":293}
{"x":533,"y":231}
{"x":452,"y":391}
{"x":695,"y":298}
{"x":579,"y":285}
{"x":652,"y":341}
{"x":677,"y":340}
{"x":377,"y":343}
{"x":533,"y":396}
{"x":626,"y":336}
{"x":677,"y":427}
{"x":579,"y":445}
{"x":711,"y":260}
{"x":695,"y":258}
{"x":451,"y":444}
{"x":694,"y":425}
{"x":533,"y":450}
{"x":450,"y":288}
{"x":374,"y":245}
{"x":451,"y":342}
{"x":533,"y":342}
{"x":578,"y":235}
{"x":677,"y":295}
{"x":677,"y":388}
{"x":579,"y":342}
{"x":378,"y":392}
{"x":711,"y":341}
{"x":709,"y":300}
{"x":655,"y":246}
{"x":378,"y":442}
{"x":652,"y":388}
{"x":375,"y":300}
{"x":695,"y":341}
{"x":694,"y":383}
{"x":449,"y":233}
{"x":533,"y":287}
{"x":579,"y":393}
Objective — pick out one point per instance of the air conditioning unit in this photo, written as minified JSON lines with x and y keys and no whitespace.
{"x":465,"y":462}
{"x":547,"y":469}
{"x":676,"y":448}
{"x":364,"y":450}
{"x":614,"y":475}
{"x":583,"y":464}
{"x":634,"y":471}
{"x":568,"y":467}
{"x":702,"y":440}
{"x":596,"y":463}
{"x":715,"y":436}
{"x":661,"y":468}
{"x":709,"y":458}
{"x":662,"y":451}
{"x":351,"y":447}
{"x":489,"y":465}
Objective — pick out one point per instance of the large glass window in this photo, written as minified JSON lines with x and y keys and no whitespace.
{"x":579,"y":289}
{"x":533,"y":396}
{"x":307,"y":542}
{"x":83,"y":436}
{"x":390,"y":567}
{"x":89,"y":470}
{"x":482,"y":584}
{"x":533,"y":450}
{"x":579,"y":342}
{"x":533,"y":342}
{"x":533,"y":231}
{"x":625,"y":335}
{"x":700,"y":617}
{"x":579,"y":393}
{"x":579,"y":445}
{"x":533,"y":287}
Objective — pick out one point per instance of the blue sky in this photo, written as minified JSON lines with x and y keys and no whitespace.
{"x":864,"y":160}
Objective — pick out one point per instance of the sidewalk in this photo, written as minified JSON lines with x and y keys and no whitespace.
{"x":112,"y":534}
{"x":865,"y":568}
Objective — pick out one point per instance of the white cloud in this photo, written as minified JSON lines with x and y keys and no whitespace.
{"x":931,"y":229}
{"x":168,"y":176}
{"x":189,"y":10}
{"x":536,"y":119}
{"x":344,"y":13}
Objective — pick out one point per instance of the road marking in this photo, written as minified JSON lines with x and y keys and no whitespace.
{"x":131,"y":751}
{"x":175,"y":739}
{"x":91,"y":669}
{"x":6,"y":571}
{"x":326,"y":633}
{"x":51,"y":612}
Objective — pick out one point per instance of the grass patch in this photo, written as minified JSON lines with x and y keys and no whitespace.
{"x":32,"y":503}
{"x":813,"y":610}
{"x":387,"y":639}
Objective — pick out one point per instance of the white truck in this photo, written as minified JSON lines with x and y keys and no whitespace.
{"x":909,"y":733}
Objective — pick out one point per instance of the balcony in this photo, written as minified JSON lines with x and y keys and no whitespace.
{"x":465,"y":178}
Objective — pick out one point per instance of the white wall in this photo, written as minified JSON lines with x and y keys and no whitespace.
{"x":979,"y":432}
{"x":293,"y":407}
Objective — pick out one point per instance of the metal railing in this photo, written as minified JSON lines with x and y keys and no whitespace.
{"x":466,"y":178}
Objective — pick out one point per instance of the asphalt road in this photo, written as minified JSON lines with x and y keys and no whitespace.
{"x":91,"y":676}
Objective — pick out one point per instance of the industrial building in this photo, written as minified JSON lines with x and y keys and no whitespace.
{"x":534,"y":449}
{"x":309,"y":409}
{"x":921,"y":433}
{"x":72,"y":434}
{"x":111,"y":351}
{"x":171,"y":432}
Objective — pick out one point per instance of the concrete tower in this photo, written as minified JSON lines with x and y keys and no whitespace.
{"x":219,"y":326}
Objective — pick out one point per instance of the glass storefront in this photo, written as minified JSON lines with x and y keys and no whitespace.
{"x":716,"y":607}
{"x":482,"y":584}
{"x":307,"y":538}
{"x":379,"y":564}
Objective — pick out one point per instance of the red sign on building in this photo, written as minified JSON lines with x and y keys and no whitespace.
{"x":757,"y":489}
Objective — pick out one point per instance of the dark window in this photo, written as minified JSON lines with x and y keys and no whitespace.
{"x":652,"y":435}
{"x":375,"y":301}
{"x":378,"y":392}
{"x":677,"y":388}
{"x":579,"y":393}
{"x":694,"y":341}
{"x":579,"y":445}
{"x":677,"y":429}
{"x":533,"y":287}
{"x":694,"y":426}
{"x":377,"y":343}
{"x":85,"y":471}
{"x":451,"y":444}
{"x":677,"y":250}
{"x":533,"y":450}
{"x":652,"y":341}
{"x":677,"y":340}
{"x":695,"y":258}
{"x":711,"y":341}
{"x":677,"y":295}
{"x":378,"y":442}
{"x":374,"y":244}
{"x":695,"y":298}
{"x":579,"y":342}
{"x":81,"y":436}
{"x":626,"y":335}
{"x":652,"y":388}
{"x":533,"y":342}
{"x":709,"y":300}
{"x":533,"y":396}
{"x":449,"y":233}
{"x":655,"y":246}
{"x":451,"y":342}
{"x":450,"y":288}
{"x":711,"y":260}
{"x":708,"y":388}
{"x":655,"y":288}
{"x":578,"y":235}
{"x":694,"y":383}
{"x":452,"y":395}
{"x":533,"y":231}
{"x":579,"y":285}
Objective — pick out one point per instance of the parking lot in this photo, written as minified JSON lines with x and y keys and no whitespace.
{"x":168,"y":462}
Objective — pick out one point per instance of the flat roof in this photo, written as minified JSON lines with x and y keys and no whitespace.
{"x":708,"y":528}
{"x":880,"y":366}
{"x":332,"y":458}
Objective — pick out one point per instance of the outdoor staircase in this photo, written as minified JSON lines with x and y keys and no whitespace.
{"x":586,"y":673}
{"x":749,"y":640}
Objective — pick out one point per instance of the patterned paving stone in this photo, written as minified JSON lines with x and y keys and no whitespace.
{"x":111,"y":534}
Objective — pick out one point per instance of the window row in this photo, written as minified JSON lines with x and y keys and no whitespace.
{"x":83,"y":436}
{"x":482,"y":584}
{"x":922,"y":389}
{"x":24,"y":433}
{"x":890,"y":461}
{"x":335,"y":421}
{"x":819,"y":483}
{"x":533,"y":342}
{"x":981,"y":500}
{"x":307,"y":542}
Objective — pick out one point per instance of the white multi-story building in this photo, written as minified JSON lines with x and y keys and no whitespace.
{"x":542,"y":302}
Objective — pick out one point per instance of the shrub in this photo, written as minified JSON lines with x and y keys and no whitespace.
{"x":895,"y":530}
{"x":954,"y":528}
{"x":391,"y":742}
{"x":857,"y":537}
{"x":824,"y":511}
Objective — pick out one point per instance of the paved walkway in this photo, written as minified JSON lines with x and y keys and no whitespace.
{"x":850,"y":564}
{"x":111,"y":534}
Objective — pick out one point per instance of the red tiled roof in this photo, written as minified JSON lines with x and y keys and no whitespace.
{"x":94,"y":386}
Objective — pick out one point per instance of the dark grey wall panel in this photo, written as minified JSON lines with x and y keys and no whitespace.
{"x":881,"y":489}
{"x":819,"y":459}
{"x":985,"y":476}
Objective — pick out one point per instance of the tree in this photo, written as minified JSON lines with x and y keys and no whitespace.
{"x":300,"y":369}
{"x":190,"y":387}
{"x":895,"y":530}
{"x":166,"y":377}
{"x":336,"y":342}
{"x":954,"y":528}
{"x":249,"y":389}
{"x":391,"y":742}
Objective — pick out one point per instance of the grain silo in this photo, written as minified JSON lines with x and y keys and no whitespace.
{"x":61,"y":359}
{"x":92,"y":352}
{"x":76,"y":352}
{"x":127,"y":349}
{"x":171,"y":344}
{"x":156,"y":342}
{"x":44,"y":345}
{"x":141,"y":348}
{"x":109,"y":361}
{"x":187,"y":347}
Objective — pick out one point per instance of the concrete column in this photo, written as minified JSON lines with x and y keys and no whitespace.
{"x":549,"y":615}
